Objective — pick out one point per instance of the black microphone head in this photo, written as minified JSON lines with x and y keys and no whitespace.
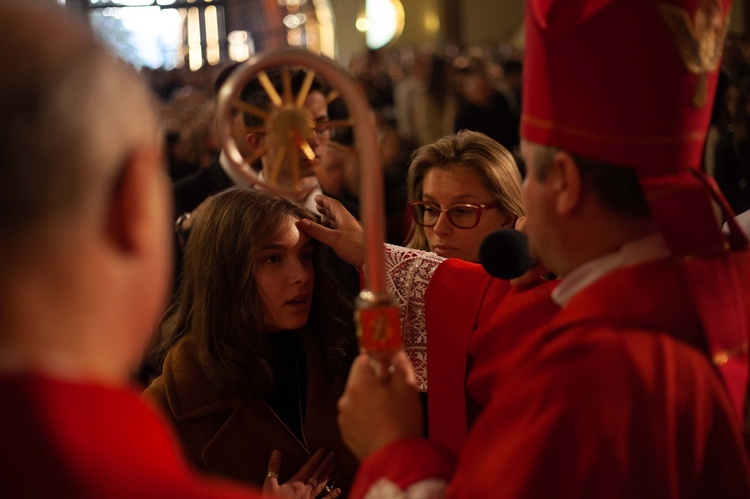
{"x":505,"y":254}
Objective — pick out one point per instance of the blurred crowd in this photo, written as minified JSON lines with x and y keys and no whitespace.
{"x":727,"y":155}
{"x":418,"y":94}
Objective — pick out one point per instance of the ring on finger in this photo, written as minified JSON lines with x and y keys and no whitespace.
{"x":272,"y":474}
{"x":312,"y":481}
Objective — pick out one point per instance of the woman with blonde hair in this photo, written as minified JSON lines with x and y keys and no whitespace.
{"x":461,"y":188}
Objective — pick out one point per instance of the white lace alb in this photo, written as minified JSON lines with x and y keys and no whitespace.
{"x":408,"y":272}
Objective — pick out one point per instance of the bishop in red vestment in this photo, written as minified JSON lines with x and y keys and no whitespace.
{"x":637,"y":387}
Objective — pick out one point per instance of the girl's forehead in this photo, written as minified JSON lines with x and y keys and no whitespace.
{"x":288,"y":234}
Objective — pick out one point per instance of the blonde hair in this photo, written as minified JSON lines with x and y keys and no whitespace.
{"x":491,"y":162}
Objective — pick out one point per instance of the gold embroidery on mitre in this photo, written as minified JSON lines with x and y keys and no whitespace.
{"x":700,"y":42}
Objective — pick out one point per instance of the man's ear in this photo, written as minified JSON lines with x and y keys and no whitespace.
{"x":131,"y":201}
{"x":566,"y":181}
{"x":254,"y":140}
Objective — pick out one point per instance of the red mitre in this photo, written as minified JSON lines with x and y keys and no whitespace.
{"x":632,"y":82}
{"x":629,"y":82}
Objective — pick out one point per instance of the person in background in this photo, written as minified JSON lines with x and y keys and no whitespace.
{"x":723,"y":125}
{"x":257,"y":343}
{"x":84,"y":273}
{"x":512,"y":84}
{"x":732,"y":168}
{"x":435,"y":109}
{"x":483,"y":108}
{"x":190,"y":192}
{"x":407,"y":90}
{"x":461,"y":188}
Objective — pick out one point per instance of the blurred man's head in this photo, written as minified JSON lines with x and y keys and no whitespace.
{"x":315,"y":104}
{"x":83,"y":197}
{"x":239,"y":132}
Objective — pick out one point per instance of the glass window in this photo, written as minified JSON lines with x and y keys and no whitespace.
{"x":143,"y":36}
{"x":169,"y":34}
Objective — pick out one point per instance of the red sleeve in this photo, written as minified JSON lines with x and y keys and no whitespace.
{"x":452,"y":302}
{"x":605,"y":412}
{"x":404,"y":463}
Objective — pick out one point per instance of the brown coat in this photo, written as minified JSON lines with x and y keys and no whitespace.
{"x":224,"y":437}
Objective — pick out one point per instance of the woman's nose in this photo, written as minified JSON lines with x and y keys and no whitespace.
{"x":443,"y":224}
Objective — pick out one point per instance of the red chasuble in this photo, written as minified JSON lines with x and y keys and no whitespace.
{"x":620,"y":400}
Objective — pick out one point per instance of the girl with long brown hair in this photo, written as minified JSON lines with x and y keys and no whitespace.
{"x":257,"y":343}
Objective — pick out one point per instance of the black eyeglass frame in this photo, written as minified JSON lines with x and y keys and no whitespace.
{"x":413,"y":206}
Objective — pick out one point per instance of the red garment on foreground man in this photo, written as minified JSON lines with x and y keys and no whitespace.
{"x":73,"y":440}
{"x":638,"y":389}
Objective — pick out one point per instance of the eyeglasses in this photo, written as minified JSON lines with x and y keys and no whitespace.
{"x":323,"y":130}
{"x":463,"y":216}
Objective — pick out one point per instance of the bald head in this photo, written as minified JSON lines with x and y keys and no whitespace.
{"x":71,"y":115}
{"x":84,"y":203}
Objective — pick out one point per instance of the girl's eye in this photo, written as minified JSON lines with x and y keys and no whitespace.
{"x":271,"y":259}
{"x":307,"y":255}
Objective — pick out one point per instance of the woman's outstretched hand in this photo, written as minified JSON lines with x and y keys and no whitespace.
{"x":307,"y":483}
{"x":338,"y":229}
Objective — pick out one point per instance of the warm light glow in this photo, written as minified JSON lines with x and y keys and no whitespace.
{"x":241,"y":45}
{"x":294,"y":20}
{"x":130,"y":3}
{"x":195,"y":54}
{"x":294,"y":37}
{"x":431,"y":22}
{"x":385,"y":22}
{"x":213,"y":52}
{"x":362,"y":24}
{"x":180,"y":61}
{"x":326,"y":36}
{"x":312,"y":42}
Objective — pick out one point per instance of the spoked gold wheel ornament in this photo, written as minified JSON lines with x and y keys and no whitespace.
{"x":288,"y":126}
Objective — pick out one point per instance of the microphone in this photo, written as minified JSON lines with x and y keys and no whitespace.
{"x":505,"y":254}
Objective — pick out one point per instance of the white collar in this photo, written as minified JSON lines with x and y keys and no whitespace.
{"x":743,"y":220}
{"x":307,"y":183}
{"x":639,"y":251}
